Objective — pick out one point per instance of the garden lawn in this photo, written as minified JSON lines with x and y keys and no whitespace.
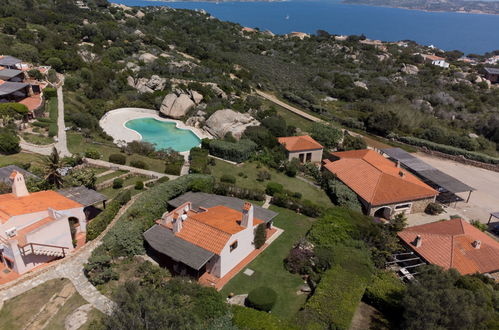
{"x":78,"y":144}
{"x":17,"y":312}
{"x":21,"y":158}
{"x":110,"y":176}
{"x":37,"y":139}
{"x":307,"y":190}
{"x":269,"y":268}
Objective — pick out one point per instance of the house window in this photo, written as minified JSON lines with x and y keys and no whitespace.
{"x":302,"y":157}
{"x":403,"y":207}
{"x":233,"y":246}
{"x":309,"y":156}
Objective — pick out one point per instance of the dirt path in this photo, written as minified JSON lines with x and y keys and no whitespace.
{"x":297,"y":111}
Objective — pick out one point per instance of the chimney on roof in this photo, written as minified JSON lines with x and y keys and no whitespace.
{"x":477,"y":244}
{"x":247,"y":221}
{"x":398,"y":163}
{"x":18,"y":184}
{"x":177,"y":223}
{"x":418,"y":241}
{"x":402,"y":174}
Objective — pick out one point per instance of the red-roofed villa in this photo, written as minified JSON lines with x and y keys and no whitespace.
{"x":454,"y":244}
{"x":303,"y":148}
{"x":35,"y":227}
{"x":383,"y":187}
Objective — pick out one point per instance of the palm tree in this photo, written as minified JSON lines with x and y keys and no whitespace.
{"x":53,"y":164}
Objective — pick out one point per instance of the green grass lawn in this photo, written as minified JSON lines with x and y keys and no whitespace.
{"x":308,"y":191}
{"x":109,"y":176}
{"x":78,"y":144}
{"x":37,"y":138}
{"x":269,"y":268}
{"x":21,"y":158}
{"x":99,"y":170}
{"x":17,"y":312}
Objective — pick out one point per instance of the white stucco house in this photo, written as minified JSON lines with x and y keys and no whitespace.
{"x":206,"y":233}
{"x":35,"y":227}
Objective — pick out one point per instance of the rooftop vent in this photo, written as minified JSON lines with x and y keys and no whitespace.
{"x":402,"y":174}
{"x":418,"y":241}
{"x":477,"y":244}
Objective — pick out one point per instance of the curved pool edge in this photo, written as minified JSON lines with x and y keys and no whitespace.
{"x":165,"y":120}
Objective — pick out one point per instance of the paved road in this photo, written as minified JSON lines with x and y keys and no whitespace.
{"x":297,"y":111}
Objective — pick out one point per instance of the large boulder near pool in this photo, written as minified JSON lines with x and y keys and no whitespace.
{"x":176,"y":106}
{"x":224,"y":121}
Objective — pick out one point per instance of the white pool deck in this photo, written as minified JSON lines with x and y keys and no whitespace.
{"x":113,"y":123}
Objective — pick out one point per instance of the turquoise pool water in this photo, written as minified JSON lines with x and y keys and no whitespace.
{"x":164,"y":134}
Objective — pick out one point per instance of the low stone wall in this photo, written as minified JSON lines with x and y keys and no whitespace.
{"x":461,"y":159}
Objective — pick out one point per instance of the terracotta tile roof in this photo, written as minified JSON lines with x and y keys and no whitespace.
{"x":299,"y":143}
{"x":449,"y":244}
{"x":376,"y":179}
{"x":213,"y":228}
{"x":10,"y":205}
{"x":32,"y":102}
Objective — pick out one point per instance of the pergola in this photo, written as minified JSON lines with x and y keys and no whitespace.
{"x":493,"y":215}
{"x":428,"y":173}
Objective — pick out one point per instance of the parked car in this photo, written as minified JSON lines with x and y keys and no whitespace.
{"x":495,"y":229}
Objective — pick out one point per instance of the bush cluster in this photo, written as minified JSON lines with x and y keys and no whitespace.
{"x":92,"y":153}
{"x":173,"y":164}
{"x":385,"y":293}
{"x":138,"y":164}
{"x":306,"y":207}
{"x":100,"y":222}
{"x":117,"y":159}
{"x":261,"y":298}
{"x":227,"y":189}
{"x":342,"y":195}
{"x":233,"y":151}
{"x":274,"y":188}
{"x":199,"y":161}
{"x":434,"y":209}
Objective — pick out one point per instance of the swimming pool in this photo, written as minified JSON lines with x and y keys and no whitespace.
{"x":164,"y":134}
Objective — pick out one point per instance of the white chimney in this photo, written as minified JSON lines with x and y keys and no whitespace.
{"x":477,"y":244}
{"x":398,"y":163}
{"x":18,"y":185}
{"x":418,"y":241}
{"x":247,"y":221}
{"x":177,"y":223}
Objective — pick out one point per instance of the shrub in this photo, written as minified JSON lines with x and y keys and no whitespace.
{"x":477,"y":224}
{"x":273,"y":188}
{"x":139,"y":185}
{"x":385,"y":293}
{"x":326,"y":135}
{"x":263,"y":175}
{"x":434,"y":209}
{"x":233,"y":151}
{"x":50,"y":92}
{"x":199,"y":161}
{"x":98,"y":270}
{"x":291,"y":167}
{"x":173,"y":164}
{"x":138,"y":164}
{"x":306,"y":207}
{"x":341,"y":195}
{"x":117,"y":159}
{"x":101,"y":221}
{"x":9,"y":142}
{"x":261,"y":298}
{"x":227,"y":178}
{"x":53,"y":129}
{"x":163,"y":179}
{"x":118,"y":183}
{"x":260,"y":235}
{"x":92,"y":153}
{"x":249,"y":318}
{"x":299,"y":261}
{"x":227,"y":189}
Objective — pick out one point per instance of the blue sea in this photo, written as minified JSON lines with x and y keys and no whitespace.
{"x":469,"y":33}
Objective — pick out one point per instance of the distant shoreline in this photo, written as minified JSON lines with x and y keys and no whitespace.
{"x":450,"y":10}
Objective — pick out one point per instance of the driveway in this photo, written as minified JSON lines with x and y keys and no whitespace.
{"x":484,"y":200}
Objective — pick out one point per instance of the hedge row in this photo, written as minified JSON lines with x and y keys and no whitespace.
{"x":100,"y":223}
{"x":199,"y":160}
{"x":449,"y":150}
{"x":306,"y":207}
{"x":234,"y":151}
{"x":227,"y":189}
{"x":385,"y":293}
{"x":249,"y":318}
